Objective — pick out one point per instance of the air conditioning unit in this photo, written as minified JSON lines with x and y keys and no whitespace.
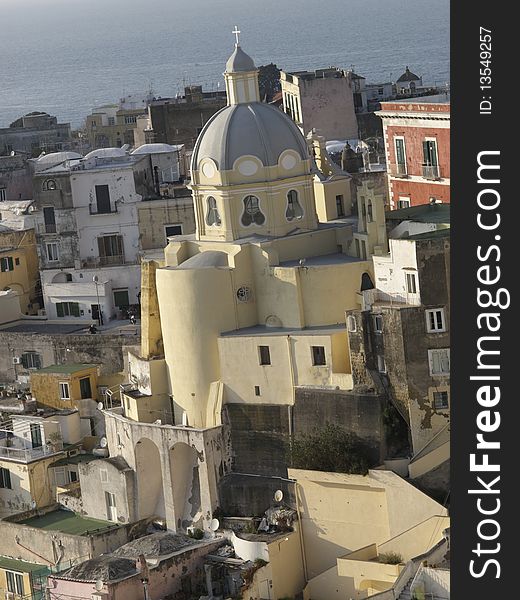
{"x":17,"y":360}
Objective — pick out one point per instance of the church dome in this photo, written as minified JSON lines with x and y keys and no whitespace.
{"x":249,"y":129}
{"x":239,"y":61}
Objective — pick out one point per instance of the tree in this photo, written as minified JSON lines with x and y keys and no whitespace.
{"x":330,"y":448}
{"x":269,"y":81}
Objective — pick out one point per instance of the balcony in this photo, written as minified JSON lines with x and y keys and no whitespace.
{"x":431,"y":172}
{"x":93,"y":209}
{"x":398,"y":170}
{"x":95,"y":262}
{"x":16,"y":436}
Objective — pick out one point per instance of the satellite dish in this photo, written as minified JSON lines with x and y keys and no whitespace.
{"x":278,"y":495}
{"x":100,"y":406}
{"x":103,"y":442}
{"x":99,"y":585}
{"x":214,"y":525}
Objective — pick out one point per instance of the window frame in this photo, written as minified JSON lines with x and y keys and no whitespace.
{"x":3,"y":194}
{"x":167,"y":235}
{"x":264,"y":355}
{"x":68,"y":309}
{"x":404,"y":199}
{"x":5,"y":479}
{"x":431,"y":353}
{"x":6,"y":264}
{"x":32,"y":355}
{"x":50,"y":254}
{"x":376,"y":319}
{"x":17,"y":579}
{"x":318,"y":354}
{"x":434,"y":402}
{"x":411,"y":276}
{"x":428,"y":314}
{"x":62,"y":385}
{"x":381,"y":364}
{"x":400,"y":138}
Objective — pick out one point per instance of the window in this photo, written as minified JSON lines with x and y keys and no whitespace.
{"x":318,"y":356}
{"x":370,"y":215}
{"x":49,"y":219}
{"x":411,"y":283}
{"x":294,"y":209}
{"x":17,"y":261}
{"x":340,"y":209}
{"x":435,"y":320}
{"x":6,"y":264}
{"x":67,"y":309}
{"x":252,"y":213}
{"x":85,"y":388}
{"x":366,"y":282}
{"x":129,"y":119}
{"x":441,"y":400}
{"x":244,"y":294}
{"x":31,"y":360}
{"x":64,"y":391}
{"x":257,"y":390}
{"x":400,"y":155}
{"x":172,"y":230}
{"x":439,"y":361}
{"x":3,"y":194}
{"x":49,"y":185}
{"x":5,"y":479}
{"x":378,"y":323}
{"x":121,"y":299}
{"x":212,"y":216}
{"x":103,"y":475}
{"x":265,"y":356}
{"x":351,"y":324}
{"x":52,"y":252}
{"x":403,"y":203}
{"x":111,"y":121}
{"x":111,"y":250}
{"x":430,"y":160}
{"x":73,"y":476}
{"x":102,"y":200}
{"x":381,"y":364}
{"x":15,"y":583}
{"x":36,"y":435}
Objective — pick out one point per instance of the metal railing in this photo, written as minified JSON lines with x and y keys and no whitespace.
{"x":29,"y":454}
{"x":398,"y":170}
{"x":431,"y":172}
{"x":93,"y":210}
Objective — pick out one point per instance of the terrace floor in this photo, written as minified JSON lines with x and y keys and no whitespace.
{"x":68,"y":522}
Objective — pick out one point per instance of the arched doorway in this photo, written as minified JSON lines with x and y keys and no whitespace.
{"x":150,"y":494}
{"x":184,"y":469}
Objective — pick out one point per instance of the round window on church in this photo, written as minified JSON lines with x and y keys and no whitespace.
{"x":208,"y":170}
{"x":244,"y":294}
{"x":252,"y":214}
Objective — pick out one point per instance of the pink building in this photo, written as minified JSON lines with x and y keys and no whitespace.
{"x":165,"y":563}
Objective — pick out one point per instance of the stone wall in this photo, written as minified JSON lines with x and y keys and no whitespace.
{"x":105,"y":350}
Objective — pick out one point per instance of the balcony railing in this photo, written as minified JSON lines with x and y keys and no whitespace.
{"x":431,"y":172}
{"x":94,"y":262}
{"x":29,"y":454}
{"x":398,"y":170}
{"x":93,"y":210}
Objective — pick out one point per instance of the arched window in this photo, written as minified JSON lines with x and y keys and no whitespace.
{"x":49,"y":184}
{"x":212,"y":216}
{"x":252,"y":213}
{"x":294,"y":209}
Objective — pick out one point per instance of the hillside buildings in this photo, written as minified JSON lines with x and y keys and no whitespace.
{"x":417,"y":144}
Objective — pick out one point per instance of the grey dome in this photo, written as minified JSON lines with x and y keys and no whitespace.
{"x":239,"y":61}
{"x":255,"y":129}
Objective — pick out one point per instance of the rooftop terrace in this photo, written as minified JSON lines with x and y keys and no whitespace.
{"x":68,"y":522}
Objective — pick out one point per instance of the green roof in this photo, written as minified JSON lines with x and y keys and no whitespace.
{"x":11,"y":564}
{"x":70,"y":368}
{"x":68,"y":522}
{"x":422,"y":213}
{"x":431,"y":235}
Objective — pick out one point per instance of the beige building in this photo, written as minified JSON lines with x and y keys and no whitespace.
{"x":322,"y":100}
{"x":113,"y":125}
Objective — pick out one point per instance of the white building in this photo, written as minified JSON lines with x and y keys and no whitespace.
{"x":88,"y":225}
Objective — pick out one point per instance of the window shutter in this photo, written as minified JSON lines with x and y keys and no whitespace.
{"x":74,"y":309}
{"x":59,"y":309}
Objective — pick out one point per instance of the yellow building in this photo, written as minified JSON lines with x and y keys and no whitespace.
{"x":270,"y":252}
{"x":22,"y":580}
{"x":19,"y":267}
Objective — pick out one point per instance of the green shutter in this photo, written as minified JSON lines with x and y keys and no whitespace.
{"x":10,"y":263}
{"x":74,"y":309}
{"x":59,"y":309}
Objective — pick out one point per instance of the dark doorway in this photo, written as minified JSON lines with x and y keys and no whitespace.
{"x":85,"y":388}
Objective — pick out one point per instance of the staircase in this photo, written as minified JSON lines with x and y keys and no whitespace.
{"x":406,"y":594}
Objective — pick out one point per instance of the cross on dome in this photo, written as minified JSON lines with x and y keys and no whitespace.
{"x":237,"y":33}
